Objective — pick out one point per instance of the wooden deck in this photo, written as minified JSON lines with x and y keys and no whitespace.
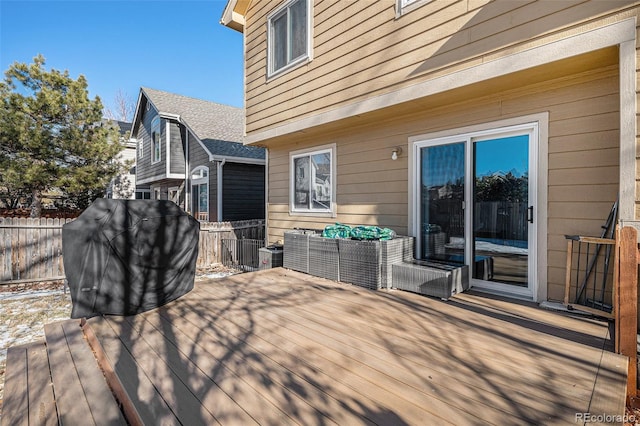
{"x":281,"y":347}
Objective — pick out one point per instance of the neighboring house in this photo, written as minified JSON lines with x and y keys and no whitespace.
{"x":486,"y":129}
{"x":191,"y":151}
{"x":123,"y":186}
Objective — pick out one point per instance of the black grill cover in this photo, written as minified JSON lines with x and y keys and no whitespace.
{"x":124,"y":257}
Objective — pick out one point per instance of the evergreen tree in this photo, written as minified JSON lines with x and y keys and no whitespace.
{"x":52,"y":137}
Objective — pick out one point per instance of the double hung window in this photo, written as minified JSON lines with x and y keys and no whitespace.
{"x":289,"y":41}
{"x":156,"y":141}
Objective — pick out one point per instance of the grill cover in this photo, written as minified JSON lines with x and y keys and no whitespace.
{"x":123,"y":257}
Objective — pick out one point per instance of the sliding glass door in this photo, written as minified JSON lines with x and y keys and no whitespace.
{"x":476,"y":205}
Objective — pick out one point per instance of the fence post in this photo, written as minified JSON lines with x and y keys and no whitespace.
{"x":626,"y":300}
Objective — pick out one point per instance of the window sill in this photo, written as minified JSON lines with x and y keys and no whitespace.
{"x":311,"y":213}
{"x":286,"y":69}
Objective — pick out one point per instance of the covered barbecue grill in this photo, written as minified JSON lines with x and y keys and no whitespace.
{"x":124,"y":257}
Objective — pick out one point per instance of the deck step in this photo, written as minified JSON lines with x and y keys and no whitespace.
{"x":141,"y":401}
{"x":28,"y":393}
{"x":81,"y":391}
{"x":430,"y":279}
{"x":57,"y":381}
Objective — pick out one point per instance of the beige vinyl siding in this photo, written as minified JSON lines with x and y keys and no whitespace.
{"x":360,"y":50}
{"x":372,"y":189}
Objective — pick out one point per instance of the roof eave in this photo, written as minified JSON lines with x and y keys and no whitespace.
{"x":232,"y":159}
{"x":231,"y":18}
{"x":134,"y":124}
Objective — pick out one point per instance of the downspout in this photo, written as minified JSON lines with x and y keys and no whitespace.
{"x":187,"y":176}
{"x":266,"y":197}
{"x":219,"y":188}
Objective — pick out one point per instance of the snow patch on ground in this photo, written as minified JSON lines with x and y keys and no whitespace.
{"x":19,"y":295}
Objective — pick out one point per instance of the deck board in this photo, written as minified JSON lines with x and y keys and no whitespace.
{"x":16,"y":402}
{"x":70,"y":400}
{"x":81,"y":392}
{"x":304,"y":382}
{"x":149,"y":404}
{"x":42,"y":408}
{"x":408,"y":375}
{"x":225,"y":371}
{"x":281,"y":347}
{"x":411,"y":370}
{"x":439,"y":339}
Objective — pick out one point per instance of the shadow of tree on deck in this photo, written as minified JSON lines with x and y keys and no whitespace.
{"x":279,"y":347}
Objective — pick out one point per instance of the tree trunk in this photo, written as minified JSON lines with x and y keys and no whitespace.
{"x":36,"y":203}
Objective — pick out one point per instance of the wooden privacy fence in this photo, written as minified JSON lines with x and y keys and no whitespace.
{"x":212,"y":234}
{"x":31,"y":249}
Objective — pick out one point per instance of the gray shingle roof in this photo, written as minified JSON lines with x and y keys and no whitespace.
{"x":219,"y":127}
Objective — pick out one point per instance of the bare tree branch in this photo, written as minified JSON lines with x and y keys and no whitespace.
{"x":123,"y":107}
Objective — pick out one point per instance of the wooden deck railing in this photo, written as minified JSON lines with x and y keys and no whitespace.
{"x":625,"y":301}
{"x":584,"y":256}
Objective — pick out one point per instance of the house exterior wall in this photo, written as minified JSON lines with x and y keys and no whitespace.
{"x":177,"y":143}
{"x":361,"y":49}
{"x":146,"y":171}
{"x":583,"y":153}
{"x":123,"y":186}
{"x":243,"y":191}
{"x":197,"y":154}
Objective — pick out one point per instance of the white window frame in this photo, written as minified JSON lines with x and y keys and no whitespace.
{"x":140,"y":147}
{"x":293,"y":155}
{"x":271,"y":72}
{"x":538,"y":173}
{"x":202,"y":180}
{"x":406,"y":6}
{"x":157,"y":194}
{"x":156,"y":143}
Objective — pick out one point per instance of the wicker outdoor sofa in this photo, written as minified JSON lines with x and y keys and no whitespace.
{"x":371,"y":264}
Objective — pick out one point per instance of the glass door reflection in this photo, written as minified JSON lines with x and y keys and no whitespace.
{"x":501,"y":210}
{"x":442,"y":196}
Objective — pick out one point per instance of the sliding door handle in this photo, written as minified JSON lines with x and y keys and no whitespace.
{"x":530,"y":214}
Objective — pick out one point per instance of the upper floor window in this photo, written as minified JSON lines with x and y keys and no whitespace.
{"x":140,"y":147}
{"x":313,"y":180}
{"x":156,"y":145}
{"x":289,"y":41}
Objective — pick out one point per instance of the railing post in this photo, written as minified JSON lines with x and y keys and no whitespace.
{"x":626,"y":303}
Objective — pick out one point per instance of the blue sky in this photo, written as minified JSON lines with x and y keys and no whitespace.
{"x":118,"y":45}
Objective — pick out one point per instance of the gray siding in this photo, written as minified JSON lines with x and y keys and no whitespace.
{"x":144,"y":168}
{"x":176,"y":148}
{"x":213,"y":192}
{"x":199,"y":157}
{"x":243,"y":191}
